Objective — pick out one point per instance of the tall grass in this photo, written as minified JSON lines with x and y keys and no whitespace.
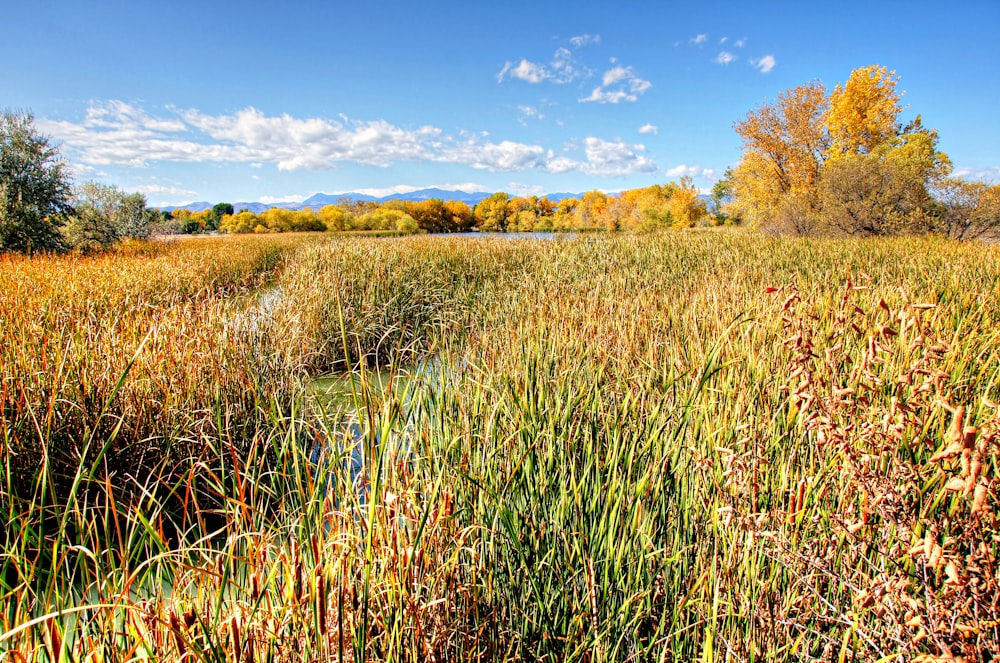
{"x":706,"y":445}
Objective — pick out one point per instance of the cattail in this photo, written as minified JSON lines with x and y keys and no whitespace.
{"x":956,"y":429}
{"x":321,"y":591}
{"x":56,"y":640}
{"x":175,"y":630}
{"x":936,"y":555}
{"x":979,"y":498}
{"x":969,"y":434}
{"x":237,"y":644}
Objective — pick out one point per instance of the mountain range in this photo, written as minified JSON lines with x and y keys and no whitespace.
{"x":319,"y":200}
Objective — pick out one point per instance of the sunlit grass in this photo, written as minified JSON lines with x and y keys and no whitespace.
{"x":705,"y":445}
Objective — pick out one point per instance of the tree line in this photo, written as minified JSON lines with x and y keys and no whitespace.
{"x":844,"y":163}
{"x":671,"y":205}
{"x":838,"y":163}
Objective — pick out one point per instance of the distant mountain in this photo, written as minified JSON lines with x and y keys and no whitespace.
{"x":316,"y":201}
{"x":558,"y":197}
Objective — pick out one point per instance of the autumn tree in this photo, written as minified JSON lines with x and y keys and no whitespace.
{"x":458,"y":216}
{"x":843,"y":164}
{"x":335,"y":217}
{"x":242,"y":222}
{"x":564,"y":215}
{"x":971,"y":209}
{"x":493,"y":213}
{"x":685,"y":205}
{"x":723,"y":194}
{"x":219,"y":210}
{"x":592,"y":211}
{"x":784,"y":145}
{"x":864,"y":112}
{"x":885,"y":188}
{"x":389,"y":218}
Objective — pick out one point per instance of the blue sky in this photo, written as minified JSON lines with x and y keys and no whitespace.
{"x":231,"y":101}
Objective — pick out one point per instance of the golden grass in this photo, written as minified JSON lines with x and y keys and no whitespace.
{"x":705,"y":445}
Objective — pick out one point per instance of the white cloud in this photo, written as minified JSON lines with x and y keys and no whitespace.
{"x":503,"y":156}
{"x":561,"y":69}
{"x":525,"y":71}
{"x":617,"y":85}
{"x":161,"y":190}
{"x":724,"y":58}
{"x":525,"y":113}
{"x":525,"y":190}
{"x":614,"y":159}
{"x":468,"y":187}
{"x":764,"y":64}
{"x":274,"y":200}
{"x":683,"y":170}
{"x":112,"y":134}
{"x":740,"y":43}
{"x":649,"y":129}
{"x":699,"y":39}
{"x":990,"y":175}
{"x":585,"y":40}
{"x":562,"y":164}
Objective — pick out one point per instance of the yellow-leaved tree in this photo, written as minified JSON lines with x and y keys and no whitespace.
{"x":685,"y":205}
{"x":864,"y":112}
{"x":839,"y":164}
{"x":784,"y":146}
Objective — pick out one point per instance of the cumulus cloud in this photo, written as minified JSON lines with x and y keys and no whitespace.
{"x":699,"y":39}
{"x":468,"y":187}
{"x":274,"y":200}
{"x":525,"y":190}
{"x":585,"y":40}
{"x":617,"y":85}
{"x":525,"y":71}
{"x":562,"y":68}
{"x":724,"y":58}
{"x":162,"y":190}
{"x":684,"y":170}
{"x":740,"y":43}
{"x":649,"y":129}
{"x":990,"y":175}
{"x":526,"y":113}
{"x":764,"y":64}
{"x":615,"y":158}
{"x":122,"y":135}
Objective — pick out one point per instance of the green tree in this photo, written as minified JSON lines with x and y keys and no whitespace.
{"x":219,"y":210}
{"x":34,"y":187}
{"x":104,"y":214}
{"x":723,"y":193}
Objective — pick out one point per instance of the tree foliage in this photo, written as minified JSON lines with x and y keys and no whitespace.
{"x":493,"y":214}
{"x":784,"y":148}
{"x":864,"y":112}
{"x":104,"y":214}
{"x":839,"y":164}
{"x":971,"y":209}
{"x":34,"y":187}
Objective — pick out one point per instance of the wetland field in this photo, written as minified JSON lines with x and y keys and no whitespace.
{"x":705,"y":445}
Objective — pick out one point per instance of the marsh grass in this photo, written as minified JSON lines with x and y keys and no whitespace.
{"x":694,"y":446}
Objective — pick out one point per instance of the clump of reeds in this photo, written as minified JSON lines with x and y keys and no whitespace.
{"x":614,"y":448}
